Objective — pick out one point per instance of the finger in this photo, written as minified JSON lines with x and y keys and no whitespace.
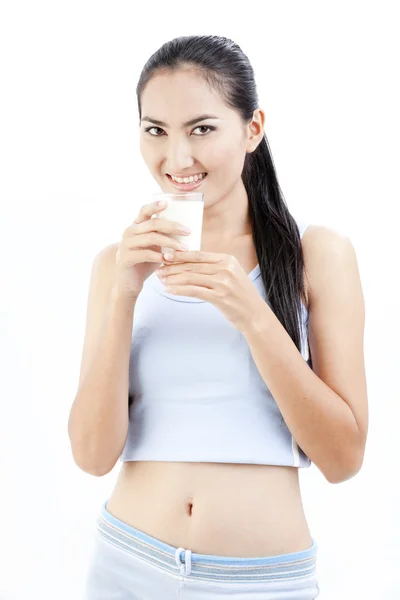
{"x":161,"y":225}
{"x":174,"y":268}
{"x":194,"y":257}
{"x":191,"y":291}
{"x":189,"y":279}
{"x":145,"y":255}
{"x":145,"y":240}
{"x":148,"y":210}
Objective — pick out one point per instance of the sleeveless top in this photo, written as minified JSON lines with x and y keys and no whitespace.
{"x":197,"y":393}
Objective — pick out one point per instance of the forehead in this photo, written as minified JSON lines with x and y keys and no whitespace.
{"x":177,"y":96}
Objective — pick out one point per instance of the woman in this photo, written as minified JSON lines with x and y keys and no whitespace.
{"x":238,"y":368}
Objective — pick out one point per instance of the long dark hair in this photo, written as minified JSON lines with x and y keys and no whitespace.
{"x":275,"y":232}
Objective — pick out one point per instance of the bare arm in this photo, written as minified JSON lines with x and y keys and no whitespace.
{"x":325,"y":408}
{"x":98,"y":420}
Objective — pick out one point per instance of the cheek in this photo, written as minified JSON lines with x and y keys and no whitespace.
{"x":144,"y":151}
{"x":149,"y":154}
{"x":227,"y":156}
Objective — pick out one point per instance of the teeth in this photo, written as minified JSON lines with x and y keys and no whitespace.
{"x":191,"y":179}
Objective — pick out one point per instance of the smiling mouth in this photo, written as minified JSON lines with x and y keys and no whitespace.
{"x":187,"y":180}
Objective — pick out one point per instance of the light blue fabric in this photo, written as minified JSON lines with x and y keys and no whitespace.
{"x":197,"y":393}
{"x":128,"y":564}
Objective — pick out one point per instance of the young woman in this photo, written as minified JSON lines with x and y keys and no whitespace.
{"x":213,"y":376}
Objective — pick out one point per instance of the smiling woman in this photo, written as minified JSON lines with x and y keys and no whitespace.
{"x":242,"y":362}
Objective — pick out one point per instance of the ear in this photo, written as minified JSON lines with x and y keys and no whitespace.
{"x":255,"y":130}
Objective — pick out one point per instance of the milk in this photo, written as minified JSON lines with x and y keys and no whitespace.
{"x":186,"y":209}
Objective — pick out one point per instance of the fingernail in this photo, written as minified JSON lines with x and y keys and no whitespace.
{"x":169,"y":256}
{"x":184,"y":229}
{"x":184,"y":247}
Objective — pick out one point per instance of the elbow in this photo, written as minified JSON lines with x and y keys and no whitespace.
{"x":91,"y":463}
{"x":91,"y":468}
{"x":90,"y":458}
{"x":340,"y":475}
{"x":345,"y":469}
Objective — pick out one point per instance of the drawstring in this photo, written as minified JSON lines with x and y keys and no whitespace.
{"x":186,"y":567}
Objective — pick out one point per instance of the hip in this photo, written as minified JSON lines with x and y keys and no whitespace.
{"x":129,"y":563}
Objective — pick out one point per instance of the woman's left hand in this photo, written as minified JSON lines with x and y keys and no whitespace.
{"x":215,"y":278}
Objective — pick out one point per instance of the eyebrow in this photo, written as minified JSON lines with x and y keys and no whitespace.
{"x":187,"y":124}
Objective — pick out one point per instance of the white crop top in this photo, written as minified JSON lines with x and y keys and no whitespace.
{"x":197,"y":393}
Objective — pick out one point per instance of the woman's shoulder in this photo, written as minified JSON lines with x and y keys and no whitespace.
{"x":314,"y":233}
{"x":318,"y":237}
{"x":323,"y":244}
{"x":323,"y":247}
{"x":326,"y":251}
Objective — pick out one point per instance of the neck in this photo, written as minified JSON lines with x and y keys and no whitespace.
{"x":228,"y":218}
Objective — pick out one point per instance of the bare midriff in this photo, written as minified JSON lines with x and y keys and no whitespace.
{"x":214,"y":508}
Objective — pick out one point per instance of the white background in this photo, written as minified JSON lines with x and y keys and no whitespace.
{"x":72,"y":179}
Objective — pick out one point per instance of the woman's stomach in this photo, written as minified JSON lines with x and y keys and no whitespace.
{"x":214,"y":508}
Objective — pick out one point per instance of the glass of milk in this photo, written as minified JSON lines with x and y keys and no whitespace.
{"x":186,"y":209}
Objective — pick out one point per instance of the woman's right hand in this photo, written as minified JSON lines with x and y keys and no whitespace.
{"x":139,"y":251}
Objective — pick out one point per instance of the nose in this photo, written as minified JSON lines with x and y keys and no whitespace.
{"x":179,"y":156}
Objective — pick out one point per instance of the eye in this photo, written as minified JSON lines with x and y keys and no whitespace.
{"x":209,"y":127}
{"x":150,"y":129}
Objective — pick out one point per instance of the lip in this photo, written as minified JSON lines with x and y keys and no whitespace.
{"x":186,"y":187}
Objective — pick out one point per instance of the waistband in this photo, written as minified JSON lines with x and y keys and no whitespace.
{"x":181,"y":561}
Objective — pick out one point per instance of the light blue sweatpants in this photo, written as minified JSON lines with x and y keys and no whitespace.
{"x":128,"y":564}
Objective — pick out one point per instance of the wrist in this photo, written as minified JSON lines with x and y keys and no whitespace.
{"x":259,"y":320}
{"x":121,"y":295}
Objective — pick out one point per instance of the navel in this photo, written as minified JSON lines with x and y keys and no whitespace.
{"x":189,"y":507}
